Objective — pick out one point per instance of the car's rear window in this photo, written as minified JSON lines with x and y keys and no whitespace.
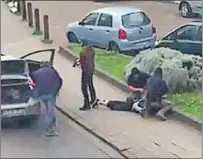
{"x":135,"y":19}
{"x":12,"y":67}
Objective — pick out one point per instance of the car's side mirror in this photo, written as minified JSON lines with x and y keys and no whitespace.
{"x":81,"y":23}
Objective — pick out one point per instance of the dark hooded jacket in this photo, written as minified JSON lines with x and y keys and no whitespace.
{"x":47,"y":80}
{"x":138,"y":81}
{"x":157,"y":87}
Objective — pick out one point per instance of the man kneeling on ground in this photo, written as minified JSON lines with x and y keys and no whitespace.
{"x":155,"y":89}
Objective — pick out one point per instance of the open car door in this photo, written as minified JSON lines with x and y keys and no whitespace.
{"x":37,"y":58}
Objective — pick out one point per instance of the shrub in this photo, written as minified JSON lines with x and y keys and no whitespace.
{"x":182,"y":72}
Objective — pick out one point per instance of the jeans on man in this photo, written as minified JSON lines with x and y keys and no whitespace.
{"x":87,"y":82}
{"x":50,"y":101}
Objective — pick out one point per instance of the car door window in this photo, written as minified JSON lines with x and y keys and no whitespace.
{"x":187,"y":32}
{"x":105,"y":20}
{"x":40,"y":56}
{"x":33,"y":66}
{"x":90,"y":19}
{"x":12,"y":67}
{"x":199,"y":35}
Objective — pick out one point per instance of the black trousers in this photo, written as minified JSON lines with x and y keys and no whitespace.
{"x":151,"y":98}
{"x":87,"y":83}
{"x":119,"y":105}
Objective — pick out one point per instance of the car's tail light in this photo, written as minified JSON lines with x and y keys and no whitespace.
{"x":153,"y":30}
{"x":122,"y":34}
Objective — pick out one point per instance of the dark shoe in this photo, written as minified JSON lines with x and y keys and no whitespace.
{"x":84,"y":108}
{"x":94,"y":103}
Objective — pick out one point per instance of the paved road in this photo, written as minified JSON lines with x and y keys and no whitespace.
{"x":72,"y":142}
{"x":29,"y":141}
{"x":165,"y":16}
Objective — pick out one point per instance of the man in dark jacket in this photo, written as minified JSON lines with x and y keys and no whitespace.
{"x":137,"y":78}
{"x":87,"y":62}
{"x":155,"y":89}
{"x":47,"y":85}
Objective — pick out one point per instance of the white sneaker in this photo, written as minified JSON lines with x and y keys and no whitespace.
{"x":51,"y":132}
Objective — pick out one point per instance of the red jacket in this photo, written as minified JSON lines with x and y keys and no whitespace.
{"x":87,"y":57}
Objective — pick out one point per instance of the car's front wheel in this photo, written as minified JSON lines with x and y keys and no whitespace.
{"x":72,"y":38}
{"x":185,"y":9}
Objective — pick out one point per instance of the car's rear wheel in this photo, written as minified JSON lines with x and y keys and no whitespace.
{"x":28,"y":120}
{"x":72,"y":38}
{"x":186,"y":10}
{"x":113,"y":47}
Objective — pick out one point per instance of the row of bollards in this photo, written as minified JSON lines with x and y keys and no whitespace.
{"x":26,"y":12}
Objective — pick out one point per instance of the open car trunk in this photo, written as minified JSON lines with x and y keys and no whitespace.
{"x":15,"y":93}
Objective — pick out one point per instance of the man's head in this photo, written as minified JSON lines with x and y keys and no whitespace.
{"x":135,"y":72}
{"x":158,"y":73}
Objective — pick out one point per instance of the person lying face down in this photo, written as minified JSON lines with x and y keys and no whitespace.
{"x":156,"y":87}
{"x":137,"y":78}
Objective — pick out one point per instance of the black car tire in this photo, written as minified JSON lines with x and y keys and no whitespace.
{"x":31,"y":120}
{"x":185,"y":10}
{"x":113,"y":47}
{"x":72,"y":38}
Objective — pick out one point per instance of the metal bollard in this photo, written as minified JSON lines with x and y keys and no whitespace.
{"x":46,"y":30}
{"x":30,"y":15}
{"x":19,"y":7}
{"x":24,"y":14}
{"x":37,"y":23}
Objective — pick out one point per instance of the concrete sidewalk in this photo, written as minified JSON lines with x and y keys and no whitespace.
{"x":133,"y":135}
{"x":129,"y":132}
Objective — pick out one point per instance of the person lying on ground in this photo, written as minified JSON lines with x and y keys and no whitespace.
{"x":137,"y":107}
{"x":156,"y":88}
{"x":151,"y":100}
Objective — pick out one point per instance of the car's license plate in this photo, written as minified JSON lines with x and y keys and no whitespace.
{"x":8,"y":113}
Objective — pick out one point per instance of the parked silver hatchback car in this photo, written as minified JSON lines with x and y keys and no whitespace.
{"x":114,"y":28}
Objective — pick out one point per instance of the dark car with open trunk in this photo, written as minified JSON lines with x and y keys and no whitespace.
{"x":16,"y":85}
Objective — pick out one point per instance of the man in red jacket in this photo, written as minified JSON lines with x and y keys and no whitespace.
{"x":87,"y":62}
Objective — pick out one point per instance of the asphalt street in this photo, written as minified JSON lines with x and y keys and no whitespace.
{"x":28,"y":140}
{"x":164,"y":15}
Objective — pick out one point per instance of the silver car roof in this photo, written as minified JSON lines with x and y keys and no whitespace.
{"x":117,"y":10}
{"x":8,"y":58}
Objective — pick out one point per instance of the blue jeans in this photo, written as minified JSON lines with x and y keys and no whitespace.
{"x":50,"y":101}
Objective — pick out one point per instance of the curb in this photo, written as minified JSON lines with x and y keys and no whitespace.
{"x":177,"y":114}
{"x":81,"y":123}
{"x":162,"y":1}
